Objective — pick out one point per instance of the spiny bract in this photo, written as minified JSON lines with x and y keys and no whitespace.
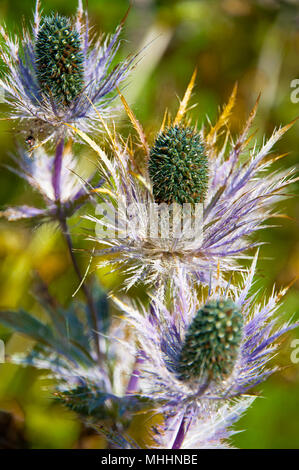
{"x":212,"y":342}
{"x":59,"y":59}
{"x":178,"y":167}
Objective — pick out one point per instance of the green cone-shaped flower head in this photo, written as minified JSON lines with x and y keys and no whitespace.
{"x":178,"y":167}
{"x":212,"y":342}
{"x":59,"y":59}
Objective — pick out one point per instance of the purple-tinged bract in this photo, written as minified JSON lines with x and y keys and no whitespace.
{"x":212,"y":341}
{"x":239,"y":197}
{"x":161,"y":336}
{"x":58,"y":76}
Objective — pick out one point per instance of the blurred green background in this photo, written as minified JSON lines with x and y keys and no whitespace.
{"x":255,"y":43}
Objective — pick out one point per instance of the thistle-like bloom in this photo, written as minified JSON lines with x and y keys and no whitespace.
{"x":58,"y":75}
{"x":227,"y":185}
{"x":55,"y":179}
{"x":197,"y":358}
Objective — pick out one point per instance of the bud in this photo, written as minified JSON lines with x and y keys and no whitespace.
{"x":59,"y":60}
{"x":212,"y":342}
{"x":178,"y":167}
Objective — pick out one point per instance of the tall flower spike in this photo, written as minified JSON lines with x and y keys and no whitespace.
{"x":178,"y":166}
{"x":238,"y":196}
{"x":212,"y":341}
{"x":59,"y":75}
{"x":59,"y":59}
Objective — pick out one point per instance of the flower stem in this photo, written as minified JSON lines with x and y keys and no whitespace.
{"x":56,"y":182}
{"x":84,"y":287}
{"x":133,"y":382}
{"x":56,"y":177}
{"x":180,"y":435}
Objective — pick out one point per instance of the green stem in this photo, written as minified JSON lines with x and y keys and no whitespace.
{"x":83,"y":285}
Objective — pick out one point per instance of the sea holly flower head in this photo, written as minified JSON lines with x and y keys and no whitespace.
{"x":56,"y":179}
{"x":224,"y":184}
{"x":58,"y":76}
{"x":170,"y":343}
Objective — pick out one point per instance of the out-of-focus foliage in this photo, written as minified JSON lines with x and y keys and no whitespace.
{"x":253,"y":42}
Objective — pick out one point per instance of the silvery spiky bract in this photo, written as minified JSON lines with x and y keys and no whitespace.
{"x":59,"y":75}
{"x":161,"y":335}
{"x":211,"y":431}
{"x":55,"y":178}
{"x":178,"y":166}
{"x":240,"y":193}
